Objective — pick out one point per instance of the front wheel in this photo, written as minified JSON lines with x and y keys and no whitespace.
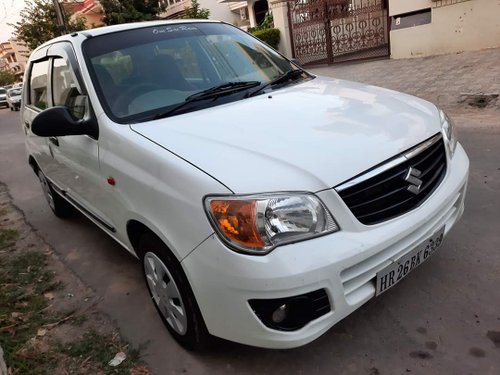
{"x":59,"y":206}
{"x":172,"y":294}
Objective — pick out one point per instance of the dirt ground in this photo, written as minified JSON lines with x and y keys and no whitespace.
{"x":49,"y":322}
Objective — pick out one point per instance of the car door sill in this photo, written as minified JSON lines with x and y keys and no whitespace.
{"x":74,"y":202}
{"x":83,"y":209}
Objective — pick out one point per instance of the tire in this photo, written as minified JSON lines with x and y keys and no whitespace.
{"x":172,"y":295}
{"x":59,"y":206}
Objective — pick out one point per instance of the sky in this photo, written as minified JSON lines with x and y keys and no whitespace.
{"x":9,"y":13}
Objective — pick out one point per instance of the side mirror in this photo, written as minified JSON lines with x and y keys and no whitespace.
{"x":58,"y":121}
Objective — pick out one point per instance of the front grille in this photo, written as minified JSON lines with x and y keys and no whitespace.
{"x":387,"y":190}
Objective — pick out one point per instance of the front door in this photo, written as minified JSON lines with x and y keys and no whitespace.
{"x":77,"y":156}
{"x":70,"y":163}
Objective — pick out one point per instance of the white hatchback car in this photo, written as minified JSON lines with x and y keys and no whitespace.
{"x":265,"y":203}
{"x":14,"y":98}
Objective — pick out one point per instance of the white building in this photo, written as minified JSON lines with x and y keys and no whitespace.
{"x":218,"y":11}
{"x":250,"y":13}
{"x":13,"y":56}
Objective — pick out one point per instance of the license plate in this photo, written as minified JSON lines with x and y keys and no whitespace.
{"x":393,"y":273}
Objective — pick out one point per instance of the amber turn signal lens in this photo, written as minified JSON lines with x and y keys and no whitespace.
{"x":236,"y":220}
{"x":255,"y":224}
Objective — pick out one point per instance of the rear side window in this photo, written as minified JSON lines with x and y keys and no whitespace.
{"x":38,"y":84}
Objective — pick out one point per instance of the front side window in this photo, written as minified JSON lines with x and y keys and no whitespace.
{"x":38,"y":84}
{"x":64,"y":89}
{"x":142,"y":73}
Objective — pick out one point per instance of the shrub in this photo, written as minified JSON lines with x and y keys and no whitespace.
{"x":269,"y":36}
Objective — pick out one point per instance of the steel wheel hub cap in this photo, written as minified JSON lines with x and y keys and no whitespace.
{"x":165,"y":293}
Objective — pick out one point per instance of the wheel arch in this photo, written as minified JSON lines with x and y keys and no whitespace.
{"x":197,"y":336}
{"x":137,"y":229}
{"x":33,"y":164}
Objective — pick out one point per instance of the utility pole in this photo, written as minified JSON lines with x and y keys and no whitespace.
{"x":60,"y":16}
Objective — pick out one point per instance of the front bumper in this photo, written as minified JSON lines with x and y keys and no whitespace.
{"x":343,"y":263}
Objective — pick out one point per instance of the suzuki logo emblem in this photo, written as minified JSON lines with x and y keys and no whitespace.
{"x":415,"y":183}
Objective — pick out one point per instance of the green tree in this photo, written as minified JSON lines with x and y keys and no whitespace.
{"x":7,"y":77}
{"x":38,"y":23}
{"x":195,"y":11}
{"x":124,"y":11}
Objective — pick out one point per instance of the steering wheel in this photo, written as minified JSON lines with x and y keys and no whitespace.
{"x":125,"y":98}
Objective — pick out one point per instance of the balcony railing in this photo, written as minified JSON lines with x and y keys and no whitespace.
{"x":174,"y":6}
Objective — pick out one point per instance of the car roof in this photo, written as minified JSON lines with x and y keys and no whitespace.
{"x":122,"y":27}
{"x":138,"y":25}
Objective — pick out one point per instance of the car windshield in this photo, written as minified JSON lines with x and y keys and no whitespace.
{"x":3,"y":91}
{"x":14,"y":92}
{"x":145,"y":73}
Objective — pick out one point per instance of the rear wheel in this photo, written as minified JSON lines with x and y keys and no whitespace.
{"x":172,"y":294}
{"x":59,"y":206}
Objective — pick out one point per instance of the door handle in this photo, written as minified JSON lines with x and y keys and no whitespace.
{"x":54,"y":140}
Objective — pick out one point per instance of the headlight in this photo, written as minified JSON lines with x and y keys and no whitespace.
{"x":449,"y":132}
{"x":255,"y":224}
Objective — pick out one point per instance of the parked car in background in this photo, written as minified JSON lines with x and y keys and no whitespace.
{"x":265,"y":203}
{"x":14,"y":99}
{"x":3,"y":97}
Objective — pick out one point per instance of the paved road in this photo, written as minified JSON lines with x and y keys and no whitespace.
{"x":436,"y":321}
{"x":440,"y":79}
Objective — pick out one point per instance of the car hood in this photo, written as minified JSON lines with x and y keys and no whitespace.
{"x":308,"y":136}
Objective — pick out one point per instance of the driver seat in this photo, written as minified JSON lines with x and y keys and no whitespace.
{"x":108,"y":86}
{"x":165,"y":72}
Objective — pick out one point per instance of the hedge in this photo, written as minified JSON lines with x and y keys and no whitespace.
{"x":269,"y":36}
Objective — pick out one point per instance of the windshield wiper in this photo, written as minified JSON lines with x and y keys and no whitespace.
{"x":289,"y":75}
{"x":224,"y":88}
{"x":212,"y":92}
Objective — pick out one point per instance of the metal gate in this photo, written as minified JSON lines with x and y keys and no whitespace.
{"x":329,"y":31}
